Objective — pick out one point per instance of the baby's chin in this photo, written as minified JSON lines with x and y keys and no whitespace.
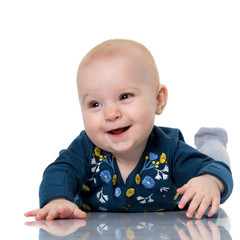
{"x":116,"y":149}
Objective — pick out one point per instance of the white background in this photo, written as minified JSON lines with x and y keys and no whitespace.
{"x":195,"y":45}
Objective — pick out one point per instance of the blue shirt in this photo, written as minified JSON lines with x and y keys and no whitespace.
{"x":90,"y":177}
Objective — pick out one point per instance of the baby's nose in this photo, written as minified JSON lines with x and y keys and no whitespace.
{"x":112,"y":113}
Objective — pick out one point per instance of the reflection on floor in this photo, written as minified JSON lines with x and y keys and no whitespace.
{"x":149,"y":226}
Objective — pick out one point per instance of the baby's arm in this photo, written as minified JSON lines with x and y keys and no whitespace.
{"x":206,"y":190}
{"x":57,"y":208}
{"x":203,"y":191}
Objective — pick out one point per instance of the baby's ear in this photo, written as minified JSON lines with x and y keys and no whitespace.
{"x":162,"y":96}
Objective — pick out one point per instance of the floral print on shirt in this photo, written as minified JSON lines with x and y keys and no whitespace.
{"x":154,"y":164}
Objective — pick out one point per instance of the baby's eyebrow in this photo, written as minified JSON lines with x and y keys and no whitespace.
{"x":128,"y":89}
{"x":85,"y":96}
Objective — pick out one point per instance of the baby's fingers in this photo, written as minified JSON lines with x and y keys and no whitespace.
{"x":215,"y":206}
{"x":53,"y":214}
{"x":204,"y":204}
{"x":187,"y":196}
{"x":77,"y":213}
{"x":42,"y":214}
{"x":71,"y":213}
{"x":196,"y":201}
{"x":65,"y":213}
{"x":183,"y":189}
{"x":39,"y":214}
{"x":32,"y":213}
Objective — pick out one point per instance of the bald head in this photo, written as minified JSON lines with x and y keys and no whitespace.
{"x":121,"y":48}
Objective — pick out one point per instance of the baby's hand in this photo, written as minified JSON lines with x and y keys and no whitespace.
{"x":203,"y":191}
{"x":57,"y":208}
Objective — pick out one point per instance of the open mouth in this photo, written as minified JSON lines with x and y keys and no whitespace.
{"x":119,"y":131}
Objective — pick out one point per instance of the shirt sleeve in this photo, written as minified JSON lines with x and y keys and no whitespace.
{"x":188,"y":162}
{"x":63,"y":177}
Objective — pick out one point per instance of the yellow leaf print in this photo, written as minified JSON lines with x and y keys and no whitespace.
{"x":159,"y":210}
{"x":114,"y":180}
{"x":97,"y":151}
{"x":130,"y":192}
{"x":163,"y":158}
{"x":85,"y":187}
{"x":86,"y":207}
{"x":137,"y":179}
{"x":130,"y":234}
{"x":176,"y":196}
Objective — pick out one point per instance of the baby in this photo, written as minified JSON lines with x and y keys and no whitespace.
{"x":122,"y":162}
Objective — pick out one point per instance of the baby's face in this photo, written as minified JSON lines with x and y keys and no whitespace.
{"x":118,"y":100}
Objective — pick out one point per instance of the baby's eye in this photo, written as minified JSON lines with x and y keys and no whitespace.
{"x":125,"y":96}
{"x":94,"y":105}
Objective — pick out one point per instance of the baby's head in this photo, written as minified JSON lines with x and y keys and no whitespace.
{"x":120,"y":93}
{"x":123,"y":48}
